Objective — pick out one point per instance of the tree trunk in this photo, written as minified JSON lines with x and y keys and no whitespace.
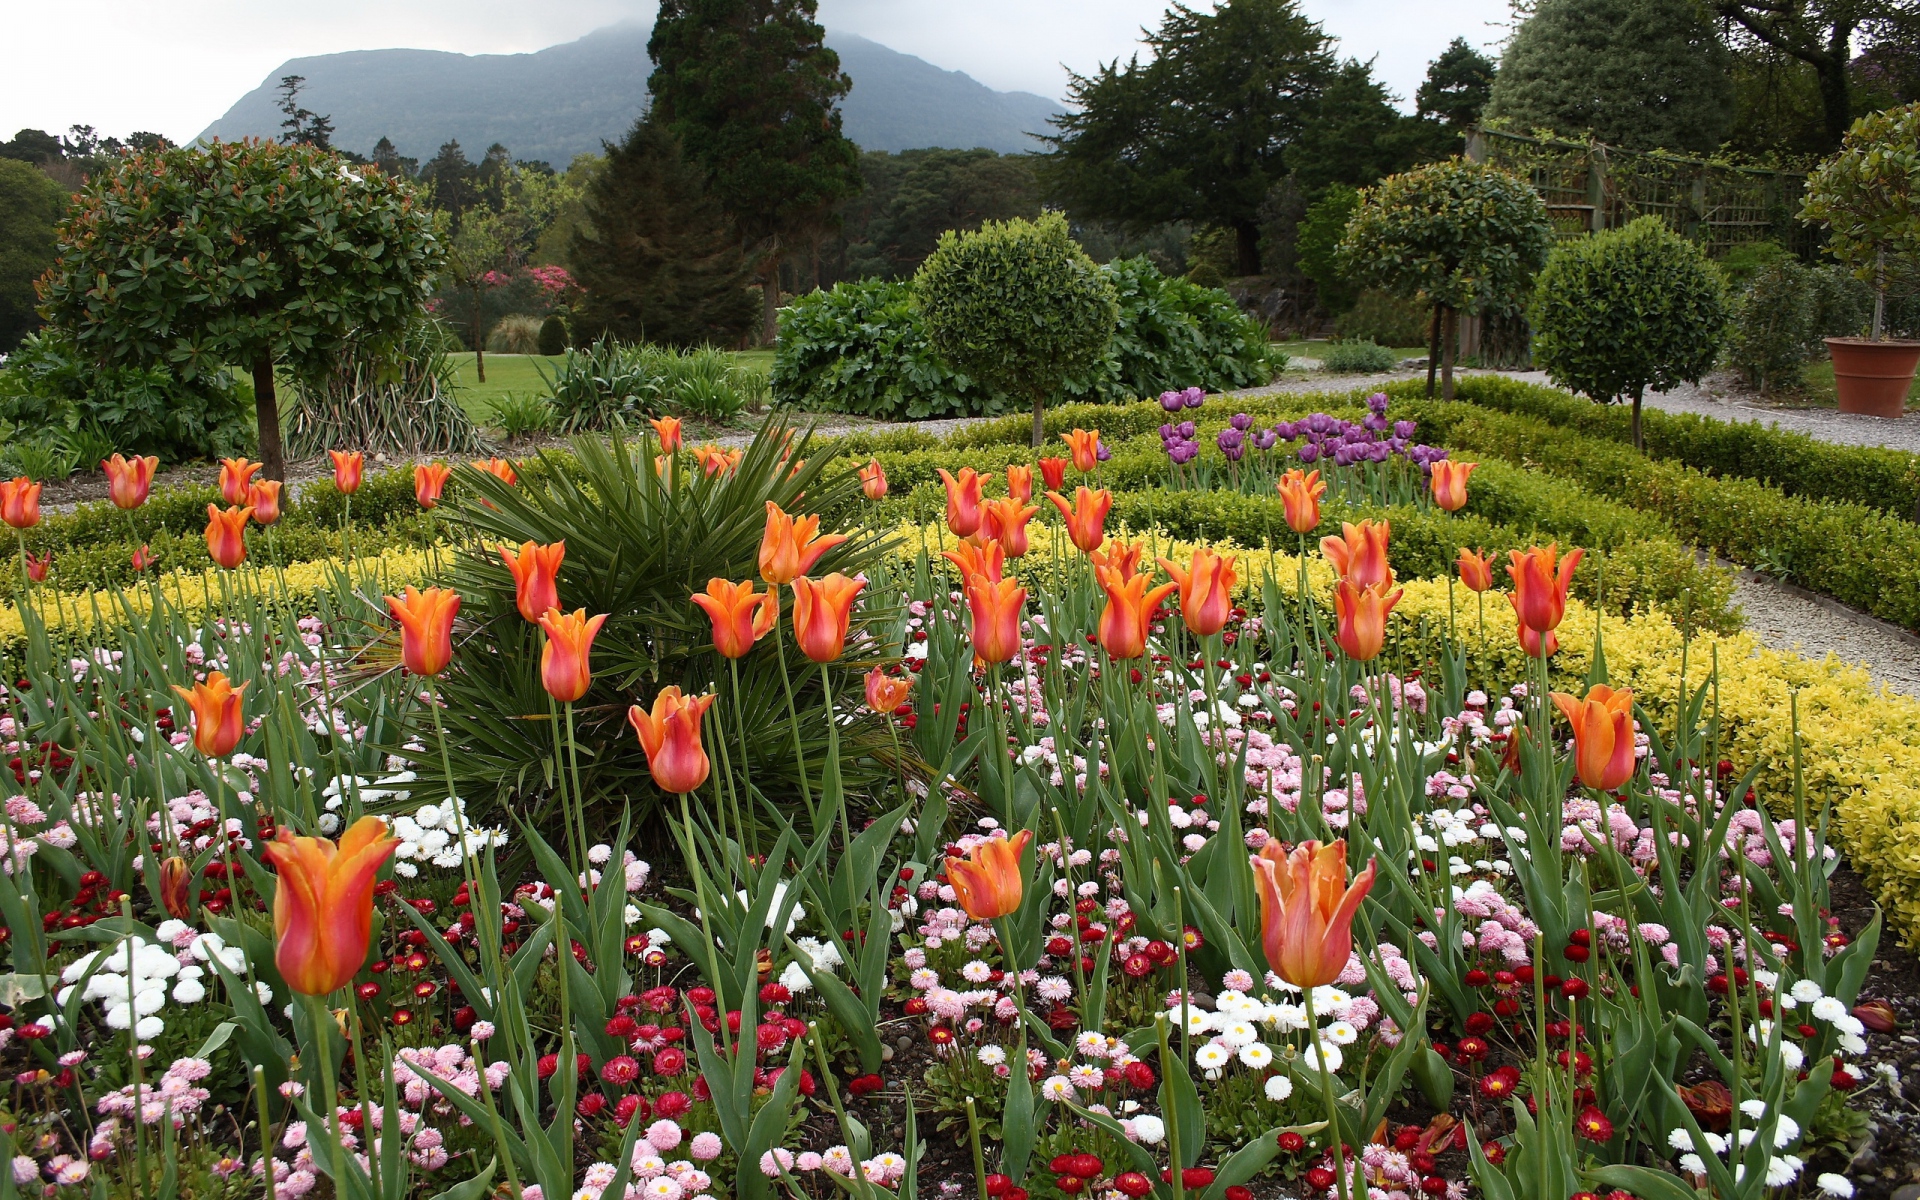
{"x":266,"y":413}
{"x":1039,"y":421}
{"x":479,"y":342}
{"x":770,"y":299}
{"x":1246,"y":240}
{"x":1433,"y":347}
{"x":1639,"y":442}
{"x":1452,"y":339}
{"x":1836,"y":99}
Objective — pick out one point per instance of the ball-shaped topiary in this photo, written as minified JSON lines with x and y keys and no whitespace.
{"x":1017,"y":305}
{"x":1626,"y":310}
{"x":1867,"y":196}
{"x":553,"y":335}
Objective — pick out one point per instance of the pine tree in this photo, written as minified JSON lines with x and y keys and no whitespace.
{"x":657,"y":255}
{"x":1457,"y":85}
{"x":753,"y":93}
{"x":1646,"y":74}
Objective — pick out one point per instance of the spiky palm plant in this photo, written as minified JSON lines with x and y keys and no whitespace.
{"x":640,"y":542}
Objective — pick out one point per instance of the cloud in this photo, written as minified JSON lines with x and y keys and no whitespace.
{"x":172,"y":66}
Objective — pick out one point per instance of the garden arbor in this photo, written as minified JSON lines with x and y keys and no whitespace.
{"x":241,"y":254}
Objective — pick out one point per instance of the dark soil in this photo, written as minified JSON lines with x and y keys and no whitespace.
{"x":1888,"y":1160}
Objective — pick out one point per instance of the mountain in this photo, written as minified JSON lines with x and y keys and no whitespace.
{"x":564,"y":100}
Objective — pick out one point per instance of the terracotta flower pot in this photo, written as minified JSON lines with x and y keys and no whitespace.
{"x":1872,"y":378}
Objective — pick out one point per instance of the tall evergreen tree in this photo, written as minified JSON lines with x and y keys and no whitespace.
{"x":656,"y":253}
{"x":450,"y":179}
{"x":753,"y":93}
{"x":1457,"y":85}
{"x":1647,"y":74}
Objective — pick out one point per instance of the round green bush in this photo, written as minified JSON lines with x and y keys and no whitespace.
{"x":1626,"y":310}
{"x":1018,"y":305}
{"x":1772,"y":335}
{"x":553,"y":335}
{"x":1357,"y":358}
{"x":1206,"y":275}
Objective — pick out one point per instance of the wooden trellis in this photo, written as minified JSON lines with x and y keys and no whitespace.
{"x":1589,"y":186}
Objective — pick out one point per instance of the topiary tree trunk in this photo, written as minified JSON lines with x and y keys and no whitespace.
{"x":266,"y":412}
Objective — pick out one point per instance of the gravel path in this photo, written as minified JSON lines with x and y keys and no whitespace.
{"x":1792,"y":621}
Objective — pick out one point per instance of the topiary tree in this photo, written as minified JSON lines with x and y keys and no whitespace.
{"x":240,"y":254}
{"x":1626,"y":310}
{"x":1017,"y":305}
{"x":1463,"y":236}
{"x":553,"y":335}
{"x":1866,"y":195}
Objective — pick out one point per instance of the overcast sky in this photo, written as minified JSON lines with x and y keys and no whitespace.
{"x":173,"y":66}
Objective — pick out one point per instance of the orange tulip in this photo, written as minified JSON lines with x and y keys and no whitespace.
{"x":129,"y":480}
{"x":987,"y":883}
{"x":1361,"y":616}
{"x":217,"y":719}
{"x":1206,"y":592}
{"x":429,"y":482}
{"x":499,"y":468}
{"x":426,"y":628}
{"x":1053,"y":473}
{"x":1006,"y":523}
{"x":670,"y":735}
{"x":264,"y":497}
{"x":1300,"y":493}
{"x":20,"y":502}
{"x":1475,"y":571}
{"x":1450,"y":483}
{"x":668,"y":430}
{"x":963,"y":501}
{"x":1602,"y":735}
{"x":1121,"y":559}
{"x":1307,"y":909}
{"x":1360,"y":553}
{"x":175,"y":879}
{"x":998,"y":606}
{"x":1020,"y":483}
{"x":536,"y":571}
{"x":227,"y":535}
{"x":789,"y":547}
{"x":37,"y":568}
{"x":1539,"y":589}
{"x":716,"y":461}
{"x":1085,"y":445}
{"x":886,"y":693}
{"x":348,"y":468}
{"x":873,"y":480}
{"x":144,"y":557}
{"x":972,"y":558}
{"x":1087,"y":519}
{"x":323,"y":905}
{"x":821,"y":610}
{"x":740,"y":617}
{"x":236,"y":476}
{"x":1129,"y":612}
{"x":565,"y":670}
{"x":1535,"y":643}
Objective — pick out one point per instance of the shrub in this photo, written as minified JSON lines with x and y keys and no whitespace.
{"x":1206,"y":275}
{"x":609,"y":383}
{"x":1626,"y":310}
{"x":1772,"y":335}
{"x":50,"y":385}
{"x":30,"y":204}
{"x":553,"y":336}
{"x":1173,"y":333}
{"x":1382,"y":317}
{"x":515,"y":334}
{"x":1864,"y":195}
{"x":518,"y":415}
{"x":1018,"y":305}
{"x":385,"y":397}
{"x":863,"y":348}
{"x":1357,"y":357}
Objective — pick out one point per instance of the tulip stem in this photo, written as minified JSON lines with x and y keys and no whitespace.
{"x":1326,"y":1091}
{"x":1000,"y":740}
{"x":485,"y":1089}
{"x":133,"y":1047}
{"x":745,"y":781}
{"x":793,"y":713}
{"x":579,"y":798}
{"x":266,"y":1129}
{"x":575,"y":851}
{"x":973,"y":1135}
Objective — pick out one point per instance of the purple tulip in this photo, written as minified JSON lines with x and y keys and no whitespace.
{"x":1241,"y":421}
{"x":1102,"y":453}
{"x":1166,"y":433}
{"x":1185,"y":429}
{"x":1287,"y":430}
{"x":1194,"y":397}
{"x":1377,"y":403}
{"x":1404,"y":429}
{"x":1172,"y":401}
{"x":1265,"y":439}
{"x":1184,"y":452}
{"x":1309,"y":452}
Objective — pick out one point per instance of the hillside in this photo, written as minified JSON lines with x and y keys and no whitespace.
{"x":564,"y":100}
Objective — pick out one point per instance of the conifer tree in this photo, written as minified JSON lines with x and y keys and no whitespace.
{"x":658,"y":258}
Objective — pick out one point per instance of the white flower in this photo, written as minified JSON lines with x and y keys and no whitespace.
{"x":1835,"y":1185}
{"x":1279,"y":1087}
{"x":795,"y":980}
{"x":1256,"y":1055}
{"x":1340,"y":1033}
{"x":1782,"y":1171}
{"x":1332,"y":1054}
{"x":1806,"y":991}
{"x":1149,"y":1129}
{"x":1680,"y":1139}
{"x":1692,"y":1164}
{"x":1754,"y":1108}
{"x":1829,"y":1008}
{"x":1791,"y":1057}
{"x":993,"y":1056}
{"x":1785,"y":1131}
{"x":1239,"y":1033}
{"x":1212,"y":1056}
{"x":1056,"y":1087}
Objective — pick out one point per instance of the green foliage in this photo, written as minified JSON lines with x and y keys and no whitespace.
{"x":863,"y":348}
{"x":1174,"y":333}
{"x":658,"y":257}
{"x":245,"y":253}
{"x":1865,"y":197}
{"x":553,"y":336}
{"x":1645,"y":74}
{"x":913,"y":197}
{"x":1206,"y":275}
{"x":30,"y":205}
{"x":516,"y":334}
{"x":519,"y":414}
{"x":1626,"y":310}
{"x":1357,"y":357}
{"x":1797,"y":464}
{"x":1465,"y":235}
{"x":1318,"y":242}
{"x":1018,"y":305}
{"x":1457,"y":85}
{"x":1772,"y":336}
{"x":49,"y":385}
{"x":611,"y":383}
{"x":385,"y":397}
{"x":1384,"y":318}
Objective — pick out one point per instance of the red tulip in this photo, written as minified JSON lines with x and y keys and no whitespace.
{"x":1087,"y":518}
{"x":789,"y":546}
{"x":1602,"y":735}
{"x":1053,"y":473}
{"x":1085,"y":446}
{"x":1129,"y":612}
{"x":1020,"y":483}
{"x":1360,"y":553}
{"x":565,"y":669}
{"x":1006,"y":523}
{"x":535,"y":571}
{"x":1300,"y":493}
{"x":873,"y":481}
{"x":1361,"y":618}
{"x":987,"y":883}
{"x":997,"y":606}
{"x":668,"y":431}
{"x":740,"y":616}
{"x":972,"y":559}
{"x":886,"y":693}
{"x":429,"y":481}
{"x":236,"y":476}
{"x":227,"y":535}
{"x":264,"y":497}
{"x":1450,"y":484}
{"x":1539,"y":587}
{"x":1475,"y":571}
{"x":37,"y":568}
{"x":217,"y":719}
{"x":20,"y":502}
{"x":963,"y":501}
{"x":348,"y":468}
{"x":1206,"y":591}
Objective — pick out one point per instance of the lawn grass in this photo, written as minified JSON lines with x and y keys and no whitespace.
{"x":520,"y":374}
{"x":1315,"y":347}
{"x":1818,"y":391}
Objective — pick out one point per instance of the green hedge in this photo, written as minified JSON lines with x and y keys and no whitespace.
{"x":1797,"y":464}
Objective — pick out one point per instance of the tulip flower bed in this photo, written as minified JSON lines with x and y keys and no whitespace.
{"x":674,"y":842}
